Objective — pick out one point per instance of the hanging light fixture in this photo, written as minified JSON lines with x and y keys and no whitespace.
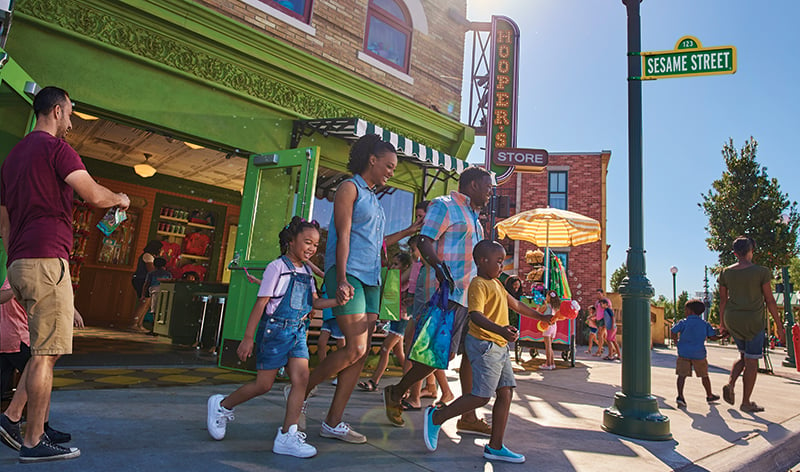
{"x":85,"y":116}
{"x":145,"y":170}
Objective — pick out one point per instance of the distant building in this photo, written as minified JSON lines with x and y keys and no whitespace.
{"x":574,"y":182}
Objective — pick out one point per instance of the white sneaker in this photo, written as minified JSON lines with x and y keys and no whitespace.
{"x":293,"y":443}
{"x":218,"y":417}
{"x":343,"y":432}
{"x":301,"y":420}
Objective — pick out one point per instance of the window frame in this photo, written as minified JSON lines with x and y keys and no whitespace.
{"x":550,"y":192}
{"x":305,"y":17}
{"x":375,"y":11}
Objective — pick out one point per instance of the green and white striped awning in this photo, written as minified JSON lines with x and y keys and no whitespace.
{"x":351,"y":129}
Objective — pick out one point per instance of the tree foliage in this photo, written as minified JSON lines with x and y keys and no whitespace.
{"x":618,"y":276}
{"x":746,"y":201}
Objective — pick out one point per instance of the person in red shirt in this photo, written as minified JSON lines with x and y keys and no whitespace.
{"x":37,"y":183}
{"x":14,"y":355}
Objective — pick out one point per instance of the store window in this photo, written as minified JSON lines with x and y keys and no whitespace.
{"x":388,"y":35}
{"x":398,"y":205}
{"x":300,"y":9}
{"x":557,"y":190}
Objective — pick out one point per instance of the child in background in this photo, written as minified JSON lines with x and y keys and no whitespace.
{"x":285,"y":298}
{"x":152,"y":285}
{"x":552,"y":306}
{"x":487,"y":351}
{"x":395,"y":329}
{"x":592,"y":324}
{"x":611,"y":331}
{"x":690,"y":334}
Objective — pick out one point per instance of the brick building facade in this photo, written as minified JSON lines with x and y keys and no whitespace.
{"x":574,"y":182}
{"x":336,"y":30}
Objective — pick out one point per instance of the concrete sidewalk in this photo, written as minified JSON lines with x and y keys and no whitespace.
{"x":555,"y":421}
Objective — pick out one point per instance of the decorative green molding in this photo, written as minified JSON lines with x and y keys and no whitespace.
{"x":187,"y":37}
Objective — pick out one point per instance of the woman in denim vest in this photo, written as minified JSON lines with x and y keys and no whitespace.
{"x":352,"y":272}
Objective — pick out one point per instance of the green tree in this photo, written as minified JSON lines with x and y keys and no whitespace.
{"x":794,"y":272}
{"x":746,"y":201}
{"x":618,"y":276}
{"x":713,"y":312}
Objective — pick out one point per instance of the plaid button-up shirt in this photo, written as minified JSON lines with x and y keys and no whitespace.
{"x":453,"y":226}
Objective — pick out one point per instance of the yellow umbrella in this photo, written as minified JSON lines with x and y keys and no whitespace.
{"x":550,"y":227}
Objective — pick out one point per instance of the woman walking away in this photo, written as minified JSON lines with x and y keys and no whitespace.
{"x":285,"y":298}
{"x":744,"y":289}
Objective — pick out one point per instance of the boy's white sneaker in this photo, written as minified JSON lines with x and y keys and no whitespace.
{"x":293,"y":443}
{"x":218,"y":417}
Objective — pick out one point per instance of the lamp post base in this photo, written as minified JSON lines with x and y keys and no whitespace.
{"x":636,"y":417}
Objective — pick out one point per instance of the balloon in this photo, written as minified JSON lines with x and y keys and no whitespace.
{"x":568,"y":310}
{"x":542,"y":326}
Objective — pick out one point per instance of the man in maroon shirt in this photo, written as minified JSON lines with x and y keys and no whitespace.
{"x":37,"y":181}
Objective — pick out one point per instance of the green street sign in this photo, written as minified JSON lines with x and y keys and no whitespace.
{"x":688,"y":59}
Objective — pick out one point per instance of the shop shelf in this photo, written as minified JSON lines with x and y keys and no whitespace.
{"x":197,"y":258}
{"x":177,"y":235}
{"x":199,"y":225}
{"x":172,"y":218}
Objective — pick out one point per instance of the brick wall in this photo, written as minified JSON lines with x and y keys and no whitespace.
{"x":436,"y":59}
{"x":585,"y":195}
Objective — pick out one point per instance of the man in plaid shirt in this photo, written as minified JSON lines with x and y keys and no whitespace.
{"x":450,"y":231}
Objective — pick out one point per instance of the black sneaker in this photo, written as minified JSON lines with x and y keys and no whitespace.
{"x":9,"y":433}
{"x":47,"y":451}
{"x":56,"y":436}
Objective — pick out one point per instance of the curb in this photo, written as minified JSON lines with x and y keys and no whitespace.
{"x":758,"y":452}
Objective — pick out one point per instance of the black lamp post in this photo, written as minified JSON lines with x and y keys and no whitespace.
{"x":674,"y":271}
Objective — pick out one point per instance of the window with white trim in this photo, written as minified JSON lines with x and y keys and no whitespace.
{"x":300,"y":9}
{"x":388,"y":33}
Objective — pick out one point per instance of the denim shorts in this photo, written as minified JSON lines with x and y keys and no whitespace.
{"x":752,"y":349}
{"x":278,"y":340}
{"x":398,"y":328}
{"x":491,"y":366}
{"x":330,"y":325}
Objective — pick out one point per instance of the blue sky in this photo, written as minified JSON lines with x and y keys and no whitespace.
{"x":573,"y":98}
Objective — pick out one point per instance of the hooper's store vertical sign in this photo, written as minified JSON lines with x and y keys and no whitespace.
{"x":503,"y":84}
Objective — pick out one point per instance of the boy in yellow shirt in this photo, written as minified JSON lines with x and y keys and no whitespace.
{"x":486,"y":347}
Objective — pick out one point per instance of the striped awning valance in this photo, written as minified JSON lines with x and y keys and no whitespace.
{"x":353,"y":128}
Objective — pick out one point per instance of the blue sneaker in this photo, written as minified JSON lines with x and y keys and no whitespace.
{"x":430,"y":431}
{"x":503,"y":454}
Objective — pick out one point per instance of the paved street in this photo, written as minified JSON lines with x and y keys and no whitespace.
{"x":556,"y":418}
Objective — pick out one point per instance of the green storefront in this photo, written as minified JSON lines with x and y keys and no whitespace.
{"x":180,"y":70}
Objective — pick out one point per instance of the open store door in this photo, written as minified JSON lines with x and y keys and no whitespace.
{"x":277,"y":186}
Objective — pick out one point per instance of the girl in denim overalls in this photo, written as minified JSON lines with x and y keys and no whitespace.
{"x":286,"y":297}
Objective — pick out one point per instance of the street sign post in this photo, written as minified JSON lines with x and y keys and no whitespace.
{"x":688,"y":59}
